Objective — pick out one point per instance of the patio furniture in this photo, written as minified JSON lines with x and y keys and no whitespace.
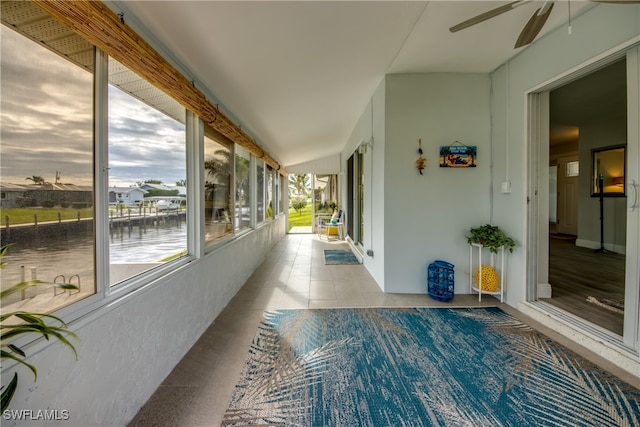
{"x":329,"y":225}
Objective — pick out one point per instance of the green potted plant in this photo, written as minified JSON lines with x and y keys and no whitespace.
{"x":19,"y":323}
{"x":491,"y":237}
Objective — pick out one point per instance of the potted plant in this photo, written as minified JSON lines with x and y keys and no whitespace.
{"x":18,"y":323}
{"x":491,"y":237}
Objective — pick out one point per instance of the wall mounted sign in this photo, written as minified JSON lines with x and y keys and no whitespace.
{"x":458,"y":155}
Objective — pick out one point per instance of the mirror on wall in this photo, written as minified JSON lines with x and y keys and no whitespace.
{"x":608,"y":171}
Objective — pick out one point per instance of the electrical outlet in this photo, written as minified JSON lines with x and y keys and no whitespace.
{"x":506,"y":187}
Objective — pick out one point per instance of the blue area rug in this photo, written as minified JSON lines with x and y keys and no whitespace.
{"x":339,"y":256}
{"x":420,"y":367}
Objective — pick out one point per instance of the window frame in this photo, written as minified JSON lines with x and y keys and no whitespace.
{"x":245,"y":154}
{"x":260,"y":170}
{"x":211,"y":133}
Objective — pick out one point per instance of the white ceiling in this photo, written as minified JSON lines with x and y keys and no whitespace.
{"x":298,"y":74}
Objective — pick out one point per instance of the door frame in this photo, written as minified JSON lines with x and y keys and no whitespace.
{"x":537,"y":132}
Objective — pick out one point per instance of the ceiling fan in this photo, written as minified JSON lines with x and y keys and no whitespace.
{"x":533,"y":26}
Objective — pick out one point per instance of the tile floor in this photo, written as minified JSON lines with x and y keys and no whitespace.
{"x":198,"y":390}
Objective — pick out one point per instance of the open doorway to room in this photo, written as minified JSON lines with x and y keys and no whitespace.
{"x":584,"y":249}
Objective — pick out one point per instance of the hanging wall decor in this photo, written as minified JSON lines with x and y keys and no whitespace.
{"x":458,"y":155}
{"x":421,"y":163}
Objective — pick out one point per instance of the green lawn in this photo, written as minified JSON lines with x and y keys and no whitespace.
{"x":302,"y":219}
{"x":26,"y":215}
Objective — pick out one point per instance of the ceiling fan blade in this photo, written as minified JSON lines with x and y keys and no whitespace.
{"x":535,"y":24}
{"x":487,"y":15}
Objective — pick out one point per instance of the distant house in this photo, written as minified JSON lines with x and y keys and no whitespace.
{"x":129,"y":196}
{"x":181,"y":191}
{"x":25,"y":195}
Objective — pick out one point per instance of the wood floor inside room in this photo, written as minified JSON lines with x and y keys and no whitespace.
{"x":579,"y":275}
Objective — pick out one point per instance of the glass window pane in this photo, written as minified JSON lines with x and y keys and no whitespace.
{"x":573,"y":169}
{"x":269,"y":193}
{"x":147,"y":175}
{"x":217,"y":189}
{"x":46,"y":157}
{"x":242,"y":196}
{"x":360,"y":196}
{"x":278,"y":195}
{"x":260,"y":190}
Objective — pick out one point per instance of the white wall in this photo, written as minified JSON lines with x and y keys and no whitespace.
{"x":325,"y":165}
{"x":596,"y":32}
{"x":427,"y":216}
{"x":598,"y":134}
{"x":125,"y":351}
{"x":370,"y":128}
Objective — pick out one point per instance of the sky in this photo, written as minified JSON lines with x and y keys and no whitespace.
{"x":46,"y":124}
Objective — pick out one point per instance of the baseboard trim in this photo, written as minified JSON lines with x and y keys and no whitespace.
{"x":590,"y":244}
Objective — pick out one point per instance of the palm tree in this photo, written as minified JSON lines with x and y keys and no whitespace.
{"x":472,"y":152}
{"x":299,"y":184}
{"x":219,"y":169}
{"x":444,"y":152}
{"x":37,"y":180}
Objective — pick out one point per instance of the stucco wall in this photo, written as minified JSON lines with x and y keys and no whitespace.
{"x":427,"y":216}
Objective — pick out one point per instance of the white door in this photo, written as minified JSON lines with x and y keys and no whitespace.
{"x":568,"y":174}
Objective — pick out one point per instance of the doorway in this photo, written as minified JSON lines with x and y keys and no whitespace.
{"x":585,"y":245}
{"x":311,"y":196}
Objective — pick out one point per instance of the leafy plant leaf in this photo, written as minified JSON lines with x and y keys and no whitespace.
{"x":8,"y":392}
{"x":18,"y":323}
{"x":7,"y":355}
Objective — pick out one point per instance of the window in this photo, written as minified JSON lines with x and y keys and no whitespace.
{"x":131,"y":219}
{"x":573,"y":169}
{"x":269,"y":194}
{"x":147,"y":165}
{"x":46,"y":158}
{"x":218,"y":169}
{"x":242,"y":189}
{"x":360,"y":196}
{"x":260,"y":186}
{"x":277,"y":205}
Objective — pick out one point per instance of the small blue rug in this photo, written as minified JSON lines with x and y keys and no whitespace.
{"x":339,"y":256}
{"x":420,"y":367}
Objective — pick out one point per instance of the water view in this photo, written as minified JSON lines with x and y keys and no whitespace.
{"x":48,"y":259}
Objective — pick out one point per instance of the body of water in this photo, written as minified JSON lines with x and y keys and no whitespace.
{"x":73,"y":254}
